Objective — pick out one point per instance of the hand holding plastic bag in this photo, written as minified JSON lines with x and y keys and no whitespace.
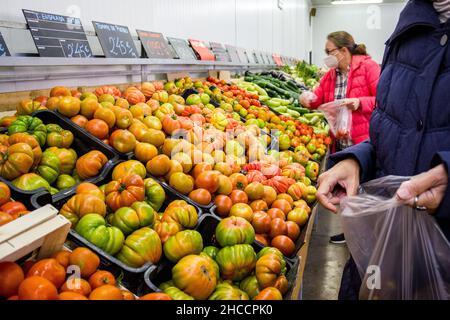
{"x":401,"y":253}
{"x":339,"y":118}
{"x":307,"y":97}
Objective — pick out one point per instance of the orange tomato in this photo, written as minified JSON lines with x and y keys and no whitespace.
{"x":13,"y":208}
{"x":106,"y":292}
{"x":223,"y":205}
{"x":159,"y":165}
{"x":201,"y":196}
{"x":278,"y":227}
{"x":127,"y":295}
{"x":62,"y":257}
{"x":259,"y":205}
{"x":5,"y":218}
{"x":80,"y":120}
{"x":84,"y":258}
{"x":283,"y":205}
{"x":69,"y":106}
{"x":242,"y":210}
{"x":284,"y":244}
{"x":37,"y":288}
{"x":239,"y":181}
{"x":106,"y":115}
{"x":262,"y":239}
{"x":286,"y":197}
{"x":122,"y":140}
{"x":293,"y":230}
{"x":270,"y":195}
{"x":156,"y":296}
{"x":261,"y":222}
{"x":276,"y":213}
{"x":77,"y":285}
{"x":208,"y":180}
{"x":238,"y":196}
{"x":225,"y":185}
{"x":101,"y":278}
{"x":5,"y":193}
{"x":199,"y":168}
{"x":49,"y":269}
{"x":145,"y":152}
{"x":11,"y":275}
{"x":97,"y":128}
{"x":69,"y":295}
{"x":269,"y":293}
{"x":88,"y":107}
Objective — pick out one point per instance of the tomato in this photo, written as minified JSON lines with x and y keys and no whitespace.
{"x":293,"y":230}
{"x":184,"y":159}
{"x":144,"y":152}
{"x":287,"y":197}
{"x":269,"y":293}
{"x":269,"y":195}
{"x":224,"y":168}
{"x":154,"y":193}
{"x":69,"y":106}
{"x":254,"y":190}
{"x":127,"y":219}
{"x":182,"y":244}
{"x":124,"y":117}
{"x":11,"y":275}
{"x":299,"y":216}
{"x":283,"y":205}
{"x":262,"y":239}
{"x":242,"y":210}
{"x":5,"y":218}
{"x":159,"y":165}
{"x":69,"y":295}
{"x":276,"y":213}
{"x":278,"y":227}
{"x":201,"y":167}
{"x":86,"y":260}
{"x":67,"y":158}
{"x":166,"y":229}
{"x":122,"y":140}
{"x":13,"y":207}
{"x":196,"y":276}
{"x":156,"y":296}
{"x":106,"y":292}
{"x":259,"y":205}
{"x":5,"y":193}
{"x":60,"y":92}
{"x":261,"y":222}
{"x":236,"y":262}
{"x":227,"y":291}
{"x":49,"y":269}
{"x":124,"y":192}
{"x":76,"y":285}
{"x":225,"y":186}
{"x":37,"y":288}
{"x":127,"y":295}
{"x":239,"y":181}
{"x":16,"y":160}
{"x":223,"y":205}
{"x":238,"y":196}
{"x":234,"y":230}
{"x":101,"y":278}
{"x":62,"y":257}
{"x":106,"y":115}
{"x":127,"y":168}
{"x":82,"y":204}
{"x":201,"y":196}
{"x":88,"y":107}
{"x":284,"y":244}
{"x":153,"y":123}
{"x":208,"y":180}
{"x":181,"y":182}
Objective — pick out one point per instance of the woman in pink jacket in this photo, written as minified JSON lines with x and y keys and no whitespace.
{"x":353,"y":76}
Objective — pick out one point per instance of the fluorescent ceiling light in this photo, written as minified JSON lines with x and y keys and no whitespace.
{"x":355,"y":1}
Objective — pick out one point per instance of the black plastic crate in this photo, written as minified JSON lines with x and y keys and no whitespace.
{"x":162,"y":272}
{"x":82,"y":144}
{"x":131,"y":277}
{"x":298,"y":243}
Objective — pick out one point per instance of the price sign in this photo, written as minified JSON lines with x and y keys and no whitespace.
{"x":233,"y":54}
{"x":155,"y":45}
{"x":201,"y":49}
{"x":57,"y":36}
{"x":182,"y":49}
{"x":3,"y":47}
{"x":277,"y":59}
{"x":116,"y":41}
{"x":251,"y":56}
{"x":220,"y":52}
{"x":242,"y":56}
{"x":270,"y":58}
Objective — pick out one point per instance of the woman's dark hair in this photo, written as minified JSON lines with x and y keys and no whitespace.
{"x":343,"y":39}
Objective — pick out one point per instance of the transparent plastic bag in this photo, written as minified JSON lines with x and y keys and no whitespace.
{"x":340,"y":120}
{"x":400,"y":252}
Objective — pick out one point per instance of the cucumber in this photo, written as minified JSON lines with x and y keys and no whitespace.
{"x":273,"y":104}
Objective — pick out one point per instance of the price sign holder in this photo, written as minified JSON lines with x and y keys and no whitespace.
{"x":243,"y":58}
{"x":251,"y":56}
{"x":57,"y":36}
{"x":116,"y":40}
{"x":4,"y":52}
{"x":220,"y":52}
{"x":155,"y":45}
{"x":182,"y":49}
{"x":233,"y":54}
{"x":202,"y":50}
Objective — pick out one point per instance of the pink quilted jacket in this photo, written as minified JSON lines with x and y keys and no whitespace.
{"x":362,"y":84}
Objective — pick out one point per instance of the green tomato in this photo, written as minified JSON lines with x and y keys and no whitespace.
{"x":182,"y":244}
{"x":154,"y":194}
{"x":65,"y":181}
{"x":30,"y":182}
{"x":236,"y":262}
{"x":49,"y":168}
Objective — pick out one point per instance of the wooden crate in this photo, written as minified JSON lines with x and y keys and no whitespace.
{"x":41,"y":229}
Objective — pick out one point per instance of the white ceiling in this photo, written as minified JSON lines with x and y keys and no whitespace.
{"x":328,"y":2}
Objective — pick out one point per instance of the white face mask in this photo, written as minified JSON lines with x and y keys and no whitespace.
{"x":331,"y":61}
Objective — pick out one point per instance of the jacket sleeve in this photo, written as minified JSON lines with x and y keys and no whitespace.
{"x":443,"y":211}
{"x":364,"y":153}
{"x":320,"y":91}
{"x":367,"y":103}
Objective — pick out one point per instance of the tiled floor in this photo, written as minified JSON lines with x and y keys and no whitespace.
{"x":326,"y":261}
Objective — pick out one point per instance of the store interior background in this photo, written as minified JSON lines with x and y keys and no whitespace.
{"x":255,"y":24}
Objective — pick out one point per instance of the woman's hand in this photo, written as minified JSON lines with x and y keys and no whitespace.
{"x":306,"y":98}
{"x":429,"y":187}
{"x":352,"y":103}
{"x":340,"y":181}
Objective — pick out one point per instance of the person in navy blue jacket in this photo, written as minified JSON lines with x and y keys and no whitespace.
{"x":410,"y":127}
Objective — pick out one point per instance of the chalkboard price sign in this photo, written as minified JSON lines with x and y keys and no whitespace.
{"x":232,"y":53}
{"x":155,"y":46}
{"x":220,"y":52}
{"x":3,"y":47}
{"x":116,"y":41}
{"x":182,"y":49}
{"x":57,"y":36}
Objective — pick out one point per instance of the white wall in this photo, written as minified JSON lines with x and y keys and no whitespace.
{"x":368,"y":24}
{"x":253,"y":24}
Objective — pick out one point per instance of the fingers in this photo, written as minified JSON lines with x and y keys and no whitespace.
{"x":326,"y":185}
{"x":417,"y":185}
